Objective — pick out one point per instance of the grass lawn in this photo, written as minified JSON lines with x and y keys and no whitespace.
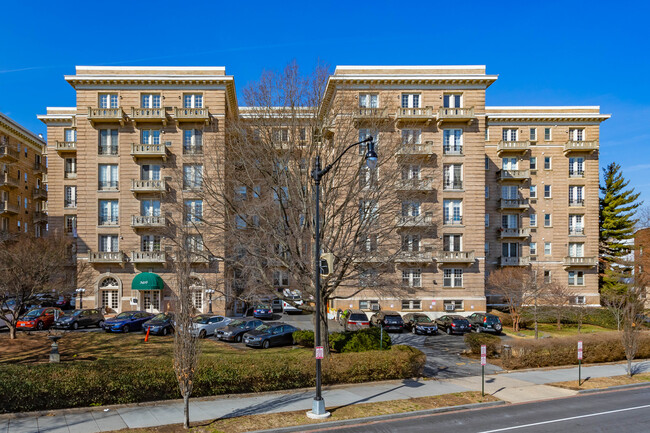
{"x":550,"y":330}
{"x":603,"y":382}
{"x":287,"y":419}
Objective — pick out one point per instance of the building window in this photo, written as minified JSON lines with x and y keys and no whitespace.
{"x":580,"y":300}
{"x":452,"y":278}
{"x":547,"y":248}
{"x":150,"y":136}
{"x":533,"y":248}
{"x":452,"y":100}
{"x":368,"y":100}
{"x":411,"y":305}
{"x":198,"y":298}
{"x":368,"y":278}
{"x":70,"y":168}
{"x":108,"y":177}
{"x":409,"y":136}
{"x":193,"y":142}
{"x":70,"y":199}
{"x":510,"y":249}
{"x":487,"y":192}
{"x":70,"y":223}
{"x":365,"y":133}
{"x":547,"y":277}
{"x":194,"y":243}
{"x":487,"y":162}
{"x":368,"y":305}
{"x":487,"y":249}
{"x":193,"y":211}
{"x":576,"y":195}
{"x":576,"y":134}
{"x":193,"y":176}
{"x":108,"y":100}
{"x":510,"y":192}
{"x":509,"y":163}
{"x":410,"y":100}
{"x":280,"y":278}
{"x":547,"y":163}
{"x":70,"y":135}
{"x":150,"y":243}
{"x":410,"y":243}
{"x":533,"y":220}
{"x":576,"y":225}
{"x":411,"y":278}
{"x":109,"y":243}
{"x":547,"y":191}
{"x":487,"y":134}
{"x":192,"y":100}
{"x":452,"y":141}
{"x":576,"y":167}
{"x":510,"y":221}
{"x":576,"y":278}
{"x":453,"y":305}
{"x":452,"y":176}
{"x":547,"y":134}
{"x":150,"y":100}
{"x":533,"y":163}
{"x":533,"y":134}
{"x":487,"y":220}
{"x":533,"y":191}
{"x":452,"y":212}
{"x":509,"y":134}
{"x":150,"y":172}
{"x":452,"y":242}
{"x":108,"y":142}
{"x":280,"y":135}
{"x":108,"y":212}
{"x":240,"y":193}
{"x":576,"y":249}
{"x":547,"y":220}
{"x":150,"y":208}
{"x":369,"y":211}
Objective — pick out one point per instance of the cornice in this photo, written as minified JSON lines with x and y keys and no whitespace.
{"x":547,"y":117}
{"x":11,"y":127}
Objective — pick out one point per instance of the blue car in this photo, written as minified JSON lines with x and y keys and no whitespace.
{"x":262,"y":311}
{"x":127,"y":321}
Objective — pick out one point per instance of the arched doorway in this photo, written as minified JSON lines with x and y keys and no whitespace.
{"x":109,"y":294}
{"x":197,"y":286}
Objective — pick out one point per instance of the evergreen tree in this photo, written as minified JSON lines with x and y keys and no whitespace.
{"x":616,"y":217}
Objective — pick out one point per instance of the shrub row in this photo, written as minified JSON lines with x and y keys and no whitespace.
{"x":591,"y":316}
{"x":474,"y":342}
{"x":547,"y":352}
{"x":77,"y":384}
{"x":351,"y":341}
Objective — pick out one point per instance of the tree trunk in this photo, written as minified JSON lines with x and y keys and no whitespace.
{"x":515,"y":322}
{"x":629,"y":367}
{"x":12,"y":332}
{"x":536,"y":329}
{"x":186,"y":410}
{"x":559,"y":322}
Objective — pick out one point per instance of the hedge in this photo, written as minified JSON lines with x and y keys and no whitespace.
{"x":349,"y":341}
{"x":596,"y":316}
{"x":80,"y":384}
{"x":475,"y":340}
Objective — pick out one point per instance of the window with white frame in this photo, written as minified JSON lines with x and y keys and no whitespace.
{"x":150,"y":100}
{"x":192,"y":100}
{"x":547,"y":277}
{"x":510,"y":221}
{"x":411,"y":278}
{"x":109,"y":243}
{"x":533,"y":248}
{"x":411,"y":242}
{"x":576,"y":278}
{"x":576,"y":167}
{"x":509,"y":163}
{"x":194,"y":243}
{"x":368,"y":278}
{"x":576,"y":224}
{"x":410,"y":100}
{"x":411,"y":136}
{"x":150,"y":243}
{"x":368,"y":211}
{"x":150,"y":172}
{"x":70,"y":168}
{"x":70,"y":223}
{"x":453,"y":305}
{"x":576,"y":134}
{"x":548,"y":221}
{"x":368,"y":100}
{"x":576,"y":249}
{"x":411,"y":208}
{"x":533,"y":163}
{"x":197,"y":298}
{"x":509,"y":192}
{"x":109,"y":212}
{"x":547,"y":134}
{"x":453,"y":176}
{"x":487,"y":220}
{"x":368,"y":305}
{"x":108,"y":177}
{"x":368,"y":178}
{"x":369,"y":243}
{"x":452,"y":141}
{"x":410,"y":172}
{"x":108,"y":100}
{"x":533,"y":134}
{"x":509,"y":134}
{"x":411,"y":304}
{"x":532,"y":220}
{"x":576,"y":195}
{"x":452,"y":242}
{"x":193,"y":142}
{"x":365,"y":133}
{"x":70,"y":199}
{"x":70,"y":135}
{"x":452,"y":100}
{"x":452,"y":277}
{"x":280,"y":278}
{"x":580,"y":300}
{"x":150,"y":136}
{"x":193,"y":211}
{"x":547,"y":163}
{"x":452,"y":212}
{"x":280,"y":135}
{"x":547,"y":191}
{"x":547,"y":248}
{"x":510,"y":249}
{"x":533,"y":191}
{"x":108,"y":141}
{"x":150,"y":207}
{"x":193,"y":176}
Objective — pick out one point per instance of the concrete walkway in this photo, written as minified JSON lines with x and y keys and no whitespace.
{"x":511,"y":387}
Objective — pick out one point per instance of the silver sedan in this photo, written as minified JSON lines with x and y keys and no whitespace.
{"x":207,"y":324}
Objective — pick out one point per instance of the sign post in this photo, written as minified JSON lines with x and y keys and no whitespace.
{"x":483,"y":362}
{"x":579,"y":363}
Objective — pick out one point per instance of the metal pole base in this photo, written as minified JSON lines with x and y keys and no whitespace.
{"x":318,"y":410}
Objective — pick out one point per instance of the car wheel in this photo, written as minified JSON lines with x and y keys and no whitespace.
{"x":75,"y":326}
{"x":202,"y":334}
{"x":266,"y":344}
{"x":100,"y":324}
{"x":448,"y":331}
{"x":164,"y":331}
{"x":238,"y":339}
{"x":126,"y":329}
{"x":40,"y":326}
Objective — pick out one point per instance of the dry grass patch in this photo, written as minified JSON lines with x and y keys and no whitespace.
{"x":296,"y":418}
{"x":603,"y":382}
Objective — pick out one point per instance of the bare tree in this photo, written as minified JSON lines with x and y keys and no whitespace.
{"x":518,"y":287}
{"x":632,"y":313}
{"x":643,"y":217}
{"x":30,"y":266}
{"x":558,"y":296}
{"x":615,"y":304}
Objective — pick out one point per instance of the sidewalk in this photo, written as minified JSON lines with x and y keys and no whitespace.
{"x":511,"y":387}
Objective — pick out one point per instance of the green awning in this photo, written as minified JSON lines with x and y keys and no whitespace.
{"x":147,"y":281}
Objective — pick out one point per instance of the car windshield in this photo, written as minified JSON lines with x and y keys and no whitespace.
{"x":35,"y":313}
{"x":124,"y":315}
{"x":263,"y":328}
{"x":76,"y":312}
{"x":423,"y":319}
{"x":161,"y":316}
{"x":236,"y":323}
{"x":198,"y":319}
{"x":358,"y":317}
{"x":261,"y":307}
{"x":393,"y":318}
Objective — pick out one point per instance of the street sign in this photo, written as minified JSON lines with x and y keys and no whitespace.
{"x":579,"y":349}
{"x":483,"y":354}
{"x":319,"y":352}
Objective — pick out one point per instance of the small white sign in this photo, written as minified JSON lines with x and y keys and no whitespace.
{"x":483,"y":360}
{"x":319,"y":352}
{"x":579,"y":345}
{"x":579,"y":354}
{"x":483,"y":349}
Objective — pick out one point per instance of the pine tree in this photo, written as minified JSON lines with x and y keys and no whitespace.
{"x":617,"y":210}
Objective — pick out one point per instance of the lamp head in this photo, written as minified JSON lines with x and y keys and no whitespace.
{"x":371,"y":155}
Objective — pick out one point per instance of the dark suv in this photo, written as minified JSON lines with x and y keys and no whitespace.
{"x":389,"y":320}
{"x":80,"y":319}
{"x":482,"y":322}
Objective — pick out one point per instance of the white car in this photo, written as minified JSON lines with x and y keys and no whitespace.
{"x":207,"y":324}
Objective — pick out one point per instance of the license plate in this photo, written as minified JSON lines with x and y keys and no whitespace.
{"x":21,"y":324}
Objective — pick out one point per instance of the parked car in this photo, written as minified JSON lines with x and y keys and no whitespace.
{"x":270,"y":334}
{"x":207,"y":324}
{"x":453,"y":323}
{"x":160,"y":324}
{"x":43,"y":300}
{"x":63,"y":302}
{"x":389,"y":320}
{"x":39,"y":318}
{"x":482,"y":322}
{"x":353,"y":320}
{"x":80,"y":319}
{"x":236,"y":329}
{"x":127,"y":321}
{"x":293,"y":298}
{"x":263,"y":311}
{"x":419,"y":323}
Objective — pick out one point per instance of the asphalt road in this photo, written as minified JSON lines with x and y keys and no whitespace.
{"x":613,"y":411}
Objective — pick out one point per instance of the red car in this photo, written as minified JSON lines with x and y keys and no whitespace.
{"x":39,"y":318}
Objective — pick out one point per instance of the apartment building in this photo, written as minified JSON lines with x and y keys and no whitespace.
{"x":126,"y":165}
{"x":23,"y":171}
{"x":479,"y":187}
{"x":642,"y":260}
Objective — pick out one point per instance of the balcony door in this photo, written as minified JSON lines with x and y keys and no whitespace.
{"x":452,"y":243}
{"x":510,"y":249}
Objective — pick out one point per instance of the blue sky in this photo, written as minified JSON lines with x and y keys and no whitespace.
{"x":546,"y":53}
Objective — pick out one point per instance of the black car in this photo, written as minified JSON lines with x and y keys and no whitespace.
{"x":482,"y":322}
{"x":453,"y":324}
{"x":236,"y":329}
{"x":80,"y":319}
{"x":270,"y":334}
{"x":160,"y":324}
{"x":419,"y":323}
{"x":389,"y":320}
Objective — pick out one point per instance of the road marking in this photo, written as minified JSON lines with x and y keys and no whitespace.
{"x":565,"y":419}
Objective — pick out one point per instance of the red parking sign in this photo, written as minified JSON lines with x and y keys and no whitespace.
{"x":579,"y":349}
{"x":483,"y":354}
{"x":319,"y":352}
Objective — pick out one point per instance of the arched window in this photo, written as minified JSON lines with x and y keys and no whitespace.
{"x":109,"y":292}
{"x":197,"y":287}
{"x":108,"y":282}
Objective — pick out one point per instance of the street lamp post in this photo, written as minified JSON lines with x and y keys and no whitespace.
{"x":80,"y":292}
{"x":318,"y":406}
{"x":209,"y":292}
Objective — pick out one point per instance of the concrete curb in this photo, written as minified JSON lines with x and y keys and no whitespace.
{"x":306,"y":427}
{"x":614,"y":388}
{"x":566,"y":367}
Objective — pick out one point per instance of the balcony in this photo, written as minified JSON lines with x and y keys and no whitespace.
{"x":7,"y":154}
{"x":8,"y":208}
{"x":154,"y":257}
{"x":8,"y":182}
{"x":514,"y":233}
{"x":576,"y":231}
{"x":425,"y":220}
{"x":66,"y":146}
{"x":39,"y":168}
{"x":148,"y":185}
{"x":515,"y":261}
{"x":106,"y":257}
{"x":414,"y":185}
{"x":148,"y":151}
{"x":138,"y":221}
{"x":150,"y":115}
{"x":192,"y":115}
{"x":415,"y":115}
{"x":447,"y":257}
{"x":39,"y":217}
{"x":108,"y":221}
{"x":577,"y":203}
{"x":576,"y":174}
{"x":518,"y":175}
{"x":514,"y":203}
{"x":106,"y":115}
{"x":452,"y":150}
{"x":108,"y":185}
{"x":425,"y":149}
{"x":446,"y":114}
{"x":192,"y":150}
{"x":363,"y":114}
{"x":520,"y":147}
{"x":39,"y":194}
{"x":587,"y":262}
{"x":369,"y":257}
{"x":68,"y":175}
{"x":453,"y":186}
{"x":580,"y":146}
{"x":457,"y":221}
{"x":414,"y":257}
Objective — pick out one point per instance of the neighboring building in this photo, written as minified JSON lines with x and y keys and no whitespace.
{"x":23,"y":167}
{"x":480,"y":187}
{"x":642,"y":259}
